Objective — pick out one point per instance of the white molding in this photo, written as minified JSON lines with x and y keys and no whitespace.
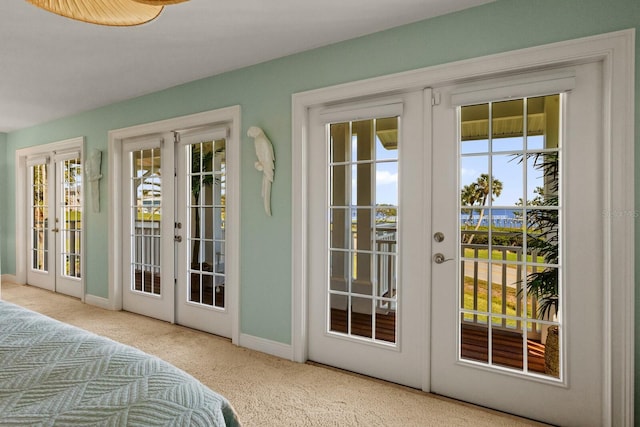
{"x":616,"y":51}
{"x":97,"y":301}
{"x":10,"y":278}
{"x":228,"y":115}
{"x":262,"y":345}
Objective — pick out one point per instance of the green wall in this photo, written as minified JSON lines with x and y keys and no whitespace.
{"x":264,"y":92}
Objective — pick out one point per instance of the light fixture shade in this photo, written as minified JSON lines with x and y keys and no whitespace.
{"x":160,"y":2}
{"x":103,"y":12}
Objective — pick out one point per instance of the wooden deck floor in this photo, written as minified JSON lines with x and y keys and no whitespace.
{"x":506,"y":345}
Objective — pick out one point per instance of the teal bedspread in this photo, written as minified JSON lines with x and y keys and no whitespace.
{"x":54,"y":374}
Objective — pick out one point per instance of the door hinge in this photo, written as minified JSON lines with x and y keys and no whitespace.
{"x":176,"y":137}
{"x":435,"y":98}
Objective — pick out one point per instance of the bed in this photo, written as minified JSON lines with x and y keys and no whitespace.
{"x":54,"y":374}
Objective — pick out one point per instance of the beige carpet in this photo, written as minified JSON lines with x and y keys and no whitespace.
{"x":265,"y":390}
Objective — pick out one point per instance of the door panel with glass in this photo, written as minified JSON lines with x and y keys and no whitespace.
{"x":365,"y":285}
{"x":148,"y":273}
{"x":520,"y":331}
{"x":201,"y":215}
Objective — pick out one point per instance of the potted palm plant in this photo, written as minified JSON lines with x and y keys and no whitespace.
{"x":542,"y":240}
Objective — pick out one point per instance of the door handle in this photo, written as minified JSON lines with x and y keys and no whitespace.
{"x":440,"y":258}
{"x":55,"y":230}
{"x":177,"y":238}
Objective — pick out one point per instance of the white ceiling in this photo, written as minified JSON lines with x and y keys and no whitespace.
{"x":52,"y":67}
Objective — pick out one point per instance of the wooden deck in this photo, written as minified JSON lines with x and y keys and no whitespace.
{"x":208,"y":293}
{"x":506,"y":345}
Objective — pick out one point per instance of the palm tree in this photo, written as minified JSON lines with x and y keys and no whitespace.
{"x":479,"y":192}
{"x":201,"y":162}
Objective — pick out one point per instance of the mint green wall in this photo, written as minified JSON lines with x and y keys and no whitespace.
{"x":264,"y":92}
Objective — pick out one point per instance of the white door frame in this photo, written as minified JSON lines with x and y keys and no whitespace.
{"x":231,"y":117}
{"x":616,"y":51}
{"x":22,"y":183}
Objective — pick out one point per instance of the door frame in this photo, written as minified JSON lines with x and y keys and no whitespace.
{"x":228,"y":115}
{"x":22,"y":183}
{"x":616,"y":51}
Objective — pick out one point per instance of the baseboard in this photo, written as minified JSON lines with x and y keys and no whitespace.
{"x":10,"y":278}
{"x":273,"y":348}
{"x":97,"y":301}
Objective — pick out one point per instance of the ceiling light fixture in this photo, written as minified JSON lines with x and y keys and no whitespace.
{"x":118,"y":13}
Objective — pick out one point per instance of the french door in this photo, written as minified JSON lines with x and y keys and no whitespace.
{"x":518,"y":196}
{"x":55,"y":206}
{"x":491,"y":234}
{"x":174,"y":193}
{"x":366,"y":278}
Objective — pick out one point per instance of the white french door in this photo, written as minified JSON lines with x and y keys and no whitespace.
{"x":54,"y":211}
{"x":366,"y":277}
{"x":517,"y":196}
{"x":148,"y":214}
{"x":201,"y":196}
{"x":174,"y":194}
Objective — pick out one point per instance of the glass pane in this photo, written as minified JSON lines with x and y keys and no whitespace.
{"x":338,"y":317}
{"x":474,"y":340}
{"x":361,"y":273}
{"x":362,"y":140}
{"x":474,"y":129}
{"x":387,"y":183}
{"x":387,"y":138}
{"x":361,"y":229}
{"x":340,"y":146}
{"x":506,"y":346}
{"x":339,"y":228}
{"x":507,"y":183}
{"x":362,"y":191}
{"x":339,"y":272}
{"x":339,"y":185}
{"x":361,"y":321}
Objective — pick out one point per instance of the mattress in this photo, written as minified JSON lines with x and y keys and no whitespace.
{"x":54,"y":374}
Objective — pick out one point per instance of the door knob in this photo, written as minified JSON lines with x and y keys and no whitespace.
{"x":177,"y":238}
{"x":440,"y":258}
{"x":438,"y":236}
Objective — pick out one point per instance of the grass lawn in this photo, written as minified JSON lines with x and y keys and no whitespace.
{"x":496,"y":302}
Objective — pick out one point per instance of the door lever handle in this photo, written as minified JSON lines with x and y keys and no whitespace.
{"x":440,"y":258}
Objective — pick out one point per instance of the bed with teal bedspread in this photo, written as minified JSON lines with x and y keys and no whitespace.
{"x":54,"y":374}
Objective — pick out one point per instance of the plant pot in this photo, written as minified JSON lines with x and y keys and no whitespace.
{"x":552,"y":353}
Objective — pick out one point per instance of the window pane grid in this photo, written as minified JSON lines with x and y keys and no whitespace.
{"x":510,"y":228}
{"x":146,"y":219}
{"x":39,"y":218}
{"x":70,"y":219}
{"x":206,"y":209}
{"x":363,"y":208}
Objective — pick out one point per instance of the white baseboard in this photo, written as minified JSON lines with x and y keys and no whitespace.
{"x":10,"y":278}
{"x":98,"y":301}
{"x":273,"y":348}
